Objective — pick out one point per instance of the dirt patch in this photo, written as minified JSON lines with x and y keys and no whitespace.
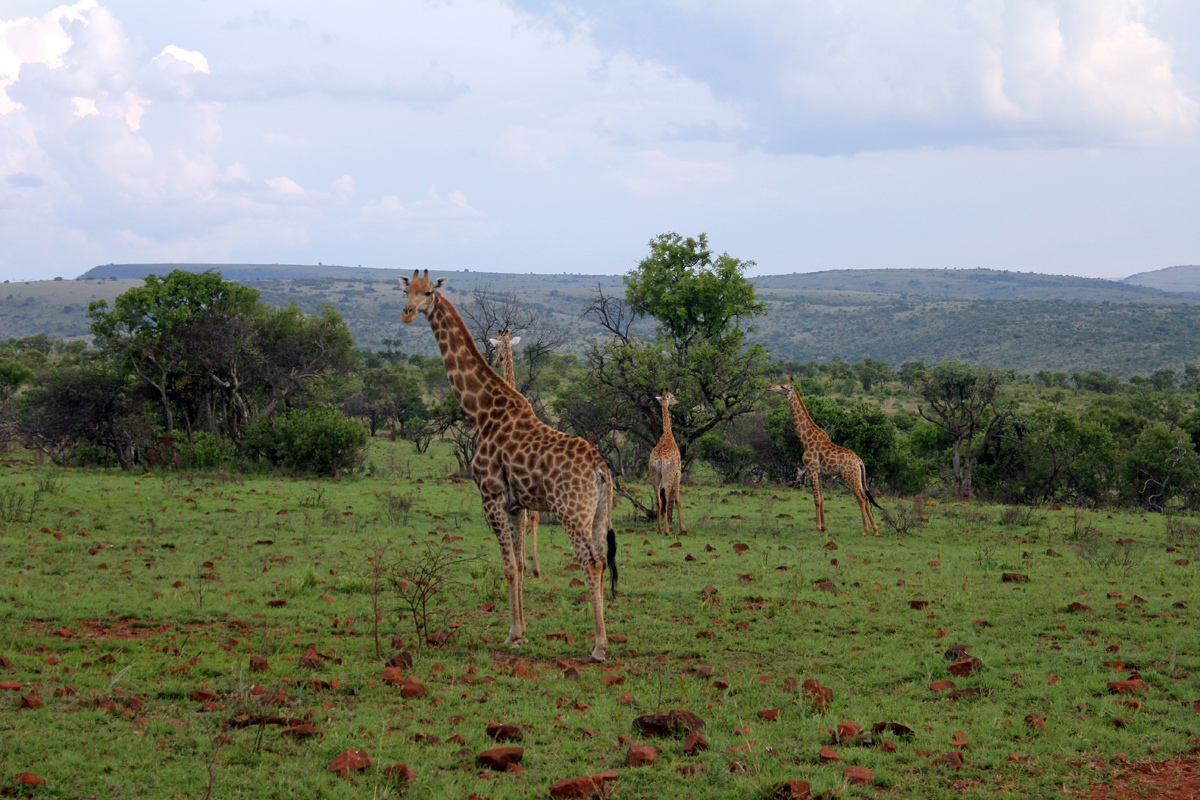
{"x":1176,"y":778}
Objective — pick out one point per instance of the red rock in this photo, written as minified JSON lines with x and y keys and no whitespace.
{"x":1122,"y":722}
{"x":828,"y":754}
{"x":1130,"y":702}
{"x":940,"y":632}
{"x":818,"y":697}
{"x":959,"y":740}
{"x":917,"y":605}
{"x":1128,"y":687}
{"x":888,"y":745}
{"x":502,"y":732}
{"x":393,"y":676}
{"x":413,"y":688}
{"x":695,"y":743}
{"x":1014,"y":577}
{"x":1036,"y":721}
{"x":31,"y":701}
{"x":400,"y":773}
{"x":498,"y":758}
{"x":965,"y":667}
{"x":28,"y":779}
{"x":561,"y":636}
{"x":706,"y":635}
{"x":791,"y":684}
{"x":584,"y":787}
{"x":14,"y":686}
{"x":771,"y":714}
{"x":668,"y":723}
{"x":953,"y":759}
{"x":612,"y":680}
{"x":721,"y":684}
{"x":304,"y":731}
{"x":942,"y":685}
{"x":625,"y":700}
{"x":737,"y":766}
{"x":858,"y":775}
{"x":349,"y":760}
{"x":826,"y":586}
{"x":846,"y":731}
{"x":5,"y":662}
{"x":203,"y":696}
{"x":259,"y":664}
{"x":791,"y":789}
{"x":277,"y":602}
{"x":515,"y":769}
{"x":641,"y":755}
{"x":741,"y":730}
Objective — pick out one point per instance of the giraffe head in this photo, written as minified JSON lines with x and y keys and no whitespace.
{"x":783,"y":387}
{"x":422,"y":295}
{"x":667,"y":398}
{"x":503,"y":338}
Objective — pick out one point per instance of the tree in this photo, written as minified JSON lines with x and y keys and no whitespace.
{"x":92,"y":402}
{"x":13,"y":375}
{"x":699,"y":302}
{"x":1163,"y":462}
{"x":489,"y":312}
{"x":963,"y":401}
{"x":159,"y":328}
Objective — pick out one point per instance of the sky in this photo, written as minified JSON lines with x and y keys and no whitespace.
{"x":1053,"y":136}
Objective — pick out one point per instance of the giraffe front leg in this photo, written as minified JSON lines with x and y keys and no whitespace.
{"x":504,"y":526}
{"x":818,"y":500}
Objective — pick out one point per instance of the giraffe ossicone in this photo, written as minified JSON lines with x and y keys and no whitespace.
{"x":822,"y":456}
{"x":522,"y":464}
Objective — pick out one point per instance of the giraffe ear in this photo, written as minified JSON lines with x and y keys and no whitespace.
{"x":494,"y":342}
{"x":403,"y":281}
{"x":516,"y":340}
{"x":439,"y":283}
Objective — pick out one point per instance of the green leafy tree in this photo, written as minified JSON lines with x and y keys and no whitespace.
{"x":700,"y":303}
{"x":1162,"y":463}
{"x":167,"y":328}
{"x":13,"y":375}
{"x":963,"y":400}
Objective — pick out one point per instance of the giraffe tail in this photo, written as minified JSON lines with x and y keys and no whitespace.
{"x":870,"y":496}
{"x":612,"y":558}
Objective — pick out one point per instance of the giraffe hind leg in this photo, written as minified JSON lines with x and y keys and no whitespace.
{"x":679,"y":509}
{"x":533,"y":526}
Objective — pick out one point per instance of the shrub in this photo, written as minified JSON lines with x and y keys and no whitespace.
{"x":319,"y":440}
{"x":205,"y":451}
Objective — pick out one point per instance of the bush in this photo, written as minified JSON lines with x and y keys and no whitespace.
{"x":319,"y":440}
{"x":205,"y":451}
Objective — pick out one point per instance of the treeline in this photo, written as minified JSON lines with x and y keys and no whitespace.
{"x":194,"y":372}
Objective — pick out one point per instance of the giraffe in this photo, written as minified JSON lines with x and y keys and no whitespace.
{"x":522,"y":463}
{"x":504,"y":345}
{"x":821,"y":455}
{"x":666,"y":468}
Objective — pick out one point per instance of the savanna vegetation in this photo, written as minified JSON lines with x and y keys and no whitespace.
{"x":234,"y":544}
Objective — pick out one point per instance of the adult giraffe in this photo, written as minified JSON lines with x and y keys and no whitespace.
{"x":521,"y":463}
{"x":821,"y":455}
{"x":504,"y":345}
{"x":666,"y":468}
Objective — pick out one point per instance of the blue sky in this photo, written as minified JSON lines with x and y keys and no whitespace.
{"x":1054,"y":136}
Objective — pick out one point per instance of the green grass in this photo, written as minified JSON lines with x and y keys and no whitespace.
{"x":135,"y":635}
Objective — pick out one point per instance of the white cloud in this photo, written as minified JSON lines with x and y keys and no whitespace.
{"x":430,"y":216}
{"x":192,"y":58}
{"x":35,"y":40}
{"x":655,"y":173}
{"x":85,"y":107}
{"x":851,"y":75}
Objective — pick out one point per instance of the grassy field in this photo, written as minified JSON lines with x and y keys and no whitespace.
{"x":135,"y":610}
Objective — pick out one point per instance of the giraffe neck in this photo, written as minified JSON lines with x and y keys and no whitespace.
{"x":476,"y":384}
{"x":510,"y":374}
{"x":807,"y":430}
{"x":667,"y":419}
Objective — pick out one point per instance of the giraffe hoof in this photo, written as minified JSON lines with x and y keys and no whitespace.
{"x":592,"y":659}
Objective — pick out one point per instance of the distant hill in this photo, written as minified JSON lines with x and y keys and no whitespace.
{"x":1020,"y":321}
{"x":967,"y":284}
{"x":1171,"y":279}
